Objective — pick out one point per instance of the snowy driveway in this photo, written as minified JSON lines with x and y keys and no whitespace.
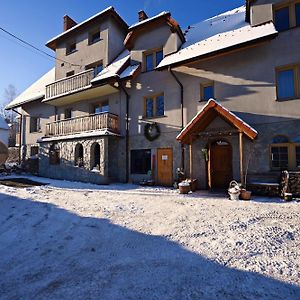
{"x":62,"y":243}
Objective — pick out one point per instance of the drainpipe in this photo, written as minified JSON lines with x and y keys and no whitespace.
{"x":182,"y":114}
{"x":20,"y":133}
{"x":127,"y":129}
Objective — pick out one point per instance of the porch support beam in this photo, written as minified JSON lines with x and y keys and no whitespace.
{"x":241,"y":157}
{"x":191,"y":159}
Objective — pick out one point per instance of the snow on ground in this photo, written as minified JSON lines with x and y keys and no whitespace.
{"x":81,"y":241}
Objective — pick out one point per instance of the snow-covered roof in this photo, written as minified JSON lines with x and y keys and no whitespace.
{"x":218,"y":33}
{"x":129,"y":71}
{"x":149,"y":19}
{"x":212,"y":104}
{"x":112,"y":70}
{"x":3,"y":124}
{"x":35,"y":91}
{"x":110,"y":8}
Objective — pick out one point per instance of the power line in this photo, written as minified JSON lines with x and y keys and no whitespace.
{"x":37,"y":49}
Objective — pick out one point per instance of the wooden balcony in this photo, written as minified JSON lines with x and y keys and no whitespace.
{"x":103,"y":121}
{"x":70,"y":84}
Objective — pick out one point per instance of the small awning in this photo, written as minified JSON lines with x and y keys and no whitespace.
{"x":208,"y":113}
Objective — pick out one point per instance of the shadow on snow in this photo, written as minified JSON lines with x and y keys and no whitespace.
{"x":50,"y":253}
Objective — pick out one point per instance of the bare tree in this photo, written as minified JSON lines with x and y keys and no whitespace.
{"x":10,"y":93}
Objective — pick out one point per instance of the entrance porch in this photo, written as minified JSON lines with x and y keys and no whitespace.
{"x":218,"y":145}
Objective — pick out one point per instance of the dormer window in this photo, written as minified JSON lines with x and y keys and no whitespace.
{"x":94,"y":37}
{"x":71,"y":48}
{"x":152,"y":59}
{"x":287,"y":16}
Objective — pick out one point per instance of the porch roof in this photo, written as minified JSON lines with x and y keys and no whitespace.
{"x":205,"y":116}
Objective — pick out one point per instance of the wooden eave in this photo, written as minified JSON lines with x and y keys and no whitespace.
{"x":209,"y":112}
{"x":152,"y":24}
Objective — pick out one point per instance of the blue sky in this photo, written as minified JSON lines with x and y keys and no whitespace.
{"x":38,"y":21}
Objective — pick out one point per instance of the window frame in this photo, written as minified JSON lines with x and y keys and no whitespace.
{"x":292,"y":12}
{"x":70,"y":109}
{"x":154,"y":98}
{"x":292,"y":162}
{"x":152,"y":52}
{"x":70,"y":74}
{"x":203,"y":86}
{"x":99,"y":104}
{"x":296,"y":69}
{"x":131,"y":161}
{"x":94,"y":66}
{"x":91,"y":34}
{"x":37,"y":128}
{"x":68,"y":47}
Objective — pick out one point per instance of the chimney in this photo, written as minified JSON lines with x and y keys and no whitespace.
{"x":68,"y":23}
{"x":142,"y":16}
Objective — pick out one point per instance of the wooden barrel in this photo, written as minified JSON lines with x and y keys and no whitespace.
{"x":3,"y":153}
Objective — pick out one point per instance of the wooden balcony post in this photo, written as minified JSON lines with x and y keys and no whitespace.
{"x":241,"y":157}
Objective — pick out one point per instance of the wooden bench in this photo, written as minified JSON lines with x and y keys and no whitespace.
{"x":264,"y":184}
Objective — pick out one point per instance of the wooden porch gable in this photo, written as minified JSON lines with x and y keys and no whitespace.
{"x":204,"y":117}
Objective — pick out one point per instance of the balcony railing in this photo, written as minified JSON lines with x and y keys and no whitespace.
{"x":83,"y":124}
{"x":70,"y":84}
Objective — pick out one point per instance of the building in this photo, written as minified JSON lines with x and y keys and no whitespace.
{"x":4,"y":134}
{"x":127,"y":103}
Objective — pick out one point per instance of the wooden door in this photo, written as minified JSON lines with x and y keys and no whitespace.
{"x":165,"y":167}
{"x":220,"y":164}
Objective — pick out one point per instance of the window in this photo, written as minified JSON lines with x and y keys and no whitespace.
{"x":207,"y":91}
{"x":288,"y":85}
{"x":71,"y":48}
{"x":297,"y":13}
{"x":287,"y":16}
{"x":34,"y":150}
{"x":282,"y":18}
{"x":154,"y":106}
{"x":280,"y":157}
{"x":54,"y":155}
{"x":71,"y":73}
{"x":152,"y":59}
{"x":100,"y":108}
{"x":35,"y":124}
{"x":140,"y":161}
{"x":98,"y":67}
{"x":149,"y":62}
{"x":159,"y":57}
{"x":95,"y":156}
{"x":68,"y":113}
{"x":79,"y":155}
{"x":285,"y":155}
{"x":94,"y":37}
{"x":298,"y":156}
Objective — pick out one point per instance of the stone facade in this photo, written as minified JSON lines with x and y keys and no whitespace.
{"x":67,"y":168}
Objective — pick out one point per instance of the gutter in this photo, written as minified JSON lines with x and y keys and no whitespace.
{"x":182,"y":113}
{"x":127,"y":128}
{"x":20,"y":133}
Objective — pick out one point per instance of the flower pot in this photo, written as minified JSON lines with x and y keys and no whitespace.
{"x":245,"y":195}
{"x":184,"y":189}
{"x":193,"y":185}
